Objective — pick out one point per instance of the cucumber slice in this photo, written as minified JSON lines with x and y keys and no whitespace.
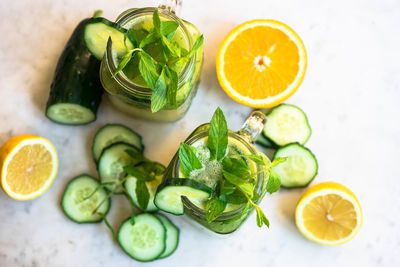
{"x":80,"y":210}
{"x":300,"y":166}
{"x":145,"y":239}
{"x":97,"y":32}
{"x":69,"y":113}
{"x":130,"y":186}
{"x":112,"y":162}
{"x":169,"y":194}
{"x":287,"y":124}
{"x":113,"y":133}
{"x":171,"y":243}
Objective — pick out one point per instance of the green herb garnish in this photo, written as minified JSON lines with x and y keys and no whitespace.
{"x":217,"y":141}
{"x":216,"y":204}
{"x":188,"y":159}
{"x":159,"y":75}
{"x":237,"y":186}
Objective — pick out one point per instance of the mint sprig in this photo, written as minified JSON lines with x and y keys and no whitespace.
{"x":160,"y":76}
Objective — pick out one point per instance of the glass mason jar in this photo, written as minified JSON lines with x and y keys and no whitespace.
{"x":134,"y":99}
{"x":229,"y":221}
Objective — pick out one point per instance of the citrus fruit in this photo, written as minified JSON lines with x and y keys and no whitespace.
{"x":261,"y":63}
{"x":329,"y":214}
{"x":28,"y":166}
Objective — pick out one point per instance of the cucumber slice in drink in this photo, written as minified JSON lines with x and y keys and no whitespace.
{"x":76,"y":207}
{"x":169,"y":194}
{"x":300,"y":166}
{"x":287,"y":124}
{"x":114,"y":133}
{"x":112,"y":162}
{"x":171,"y":243}
{"x":97,"y":32}
{"x":145,"y":239}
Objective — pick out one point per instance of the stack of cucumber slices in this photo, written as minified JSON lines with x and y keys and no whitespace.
{"x":287,"y":130}
{"x":123,"y":169}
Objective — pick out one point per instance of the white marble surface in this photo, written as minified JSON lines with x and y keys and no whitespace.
{"x":351,"y":94}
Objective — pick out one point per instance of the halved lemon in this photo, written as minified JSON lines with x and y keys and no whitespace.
{"x":329,"y":214}
{"x":28,"y":166}
{"x":261,"y":63}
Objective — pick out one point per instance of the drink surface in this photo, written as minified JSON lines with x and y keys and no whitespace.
{"x":139,"y":27}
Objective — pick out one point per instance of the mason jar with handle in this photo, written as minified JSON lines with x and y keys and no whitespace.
{"x":243,"y":140}
{"x":128,"y":91}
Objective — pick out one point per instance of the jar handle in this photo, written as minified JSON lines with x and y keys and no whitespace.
{"x":172,"y":6}
{"x":253,"y":126}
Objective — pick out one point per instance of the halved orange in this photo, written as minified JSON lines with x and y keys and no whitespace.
{"x":261,"y":63}
{"x":28,"y":166}
{"x":329,"y":214}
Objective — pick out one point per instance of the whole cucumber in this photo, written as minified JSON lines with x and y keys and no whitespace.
{"x":76,"y":90}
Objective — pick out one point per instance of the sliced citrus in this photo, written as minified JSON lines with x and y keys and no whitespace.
{"x":29,"y":165}
{"x":329,"y":214}
{"x":261,"y":63}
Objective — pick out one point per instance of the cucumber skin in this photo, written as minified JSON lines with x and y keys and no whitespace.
{"x":183,"y":182}
{"x":76,"y":78}
{"x":128,"y":220}
{"x":62,"y":206}
{"x":264,"y":141}
{"x":141,"y":149}
{"x":173,"y":225}
{"x":312,"y":154}
{"x":180,"y":182}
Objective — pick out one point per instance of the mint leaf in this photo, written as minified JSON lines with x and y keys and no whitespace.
{"x":257,"y":159}
{"x":138,"y":173}
{"x":135,"y":155}
{"x":237,"y":166}
{"x":261,"y":218}
{"x":227,"y":188}
{"x":278,"y":161}
{"x":159,"y":96}
{"x":125,"y":60}
{"x":152,"y":168}
{"x":172,"y":49}
{"x":156,"y":20}
{"x":172,"y":87}
{"x":214,"y":208}
{"x":199,"y":42}
{"x":188,"y":159}
{"x":215,"y":205}
{"x":148,"y":70}
{"x":246,"y":187}
{"x":236,"y":197}
{"x":142,"y":194}
{"x":274,"y":182}
{"x":138,"y":35}
{"x":168,"y":28}
{"x":218,"y":136}
{"x":150,"y":38}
